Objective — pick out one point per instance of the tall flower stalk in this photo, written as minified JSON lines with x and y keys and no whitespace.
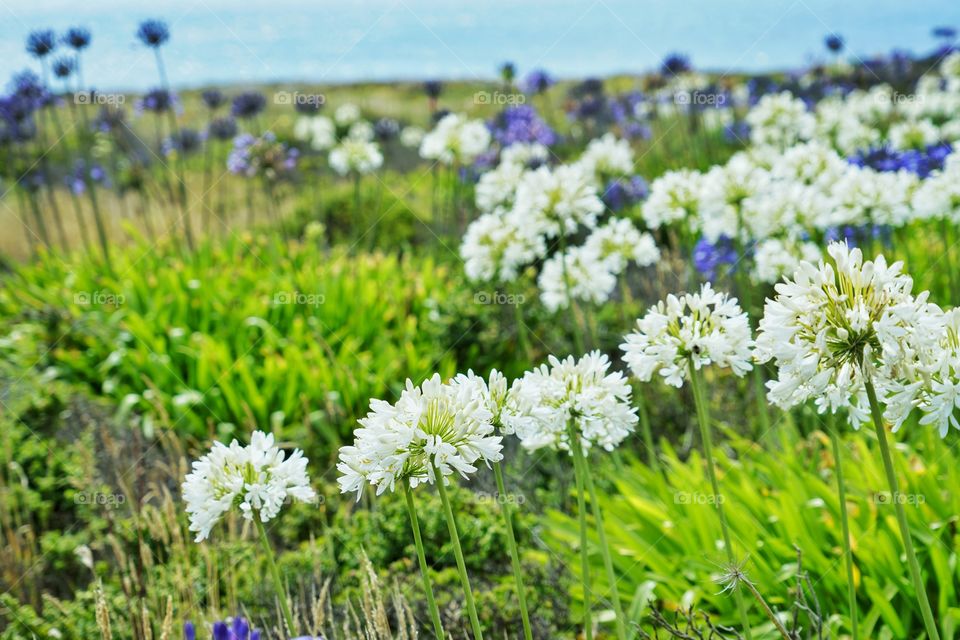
{"x":422,"y":560}
{"x":677,"y":339}
{"x":572,"y":405}
{"x":433,"y":431}
{"x":843,"y":329}
{"x":255,"y":479}
{"x":845,"y":530}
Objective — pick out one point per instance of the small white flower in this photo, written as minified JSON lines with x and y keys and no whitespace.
{"x":256,"y":478}
{"x":447,"y":425}
{"x":455,"y":140}
{"x":705,"y":328}
{"x":355,"y":156}
{"x":582,"y":395}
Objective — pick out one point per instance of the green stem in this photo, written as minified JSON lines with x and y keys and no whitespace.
{"x":522,"y":339}
{"x":584,"y":552}
{"x":577,"y":330}
{"x":514,"y":554}
{"x":275,"y":574}
{"x":926,"y":612}
{"x":602,"y":535}
{"x":703,"y":418}
{"x":646,"y":431}
{"x":845,"y":528}
{"x":422,"y":558}
{"x":458,"y":553}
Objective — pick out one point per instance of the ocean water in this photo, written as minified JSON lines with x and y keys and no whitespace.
{"x":254,"y":41}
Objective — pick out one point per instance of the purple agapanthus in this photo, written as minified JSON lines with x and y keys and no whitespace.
{"x":63,"y":67}
{"x":675,"y":64}
{"x":625,"y":192}
{"x":77,"y":38}
{"x":76,"y":180}
{"x":709,"y":257}
{"x":213,"y":99}
{"x":153,"y":33}
{"x":521,"y":123}
{"x":222,"y":129}
{"x":236,"y":629}
{"x":186,"y":141}
{"x":433,"y":89}
{"x":944,"y":33}
{"x":386,"y":129}
{"x":41,"y":43}
{"x":834,"y":43}
{"x":28,"y":86}
{"x":156,"y":101}
{"x":263,"y":157}
{"x":737,"y":132}
{"x":248,"y":104}
{"x":921,"y":162}
{"x":537,"y":81}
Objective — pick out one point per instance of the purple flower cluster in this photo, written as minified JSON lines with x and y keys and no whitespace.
{"x":625,"y":192}
{"x":537,"y":81}
{"x":237,"y":629}
{"x":262,"y":157}
{"x":921,"y":162}
{"x":521,"y":123}
{"x":709,"y":257}
{"x":76,"y":180}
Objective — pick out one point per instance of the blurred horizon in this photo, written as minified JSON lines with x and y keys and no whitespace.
{"x":215,"y":42}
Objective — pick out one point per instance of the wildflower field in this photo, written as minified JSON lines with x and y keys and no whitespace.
{"x":665,"y":355}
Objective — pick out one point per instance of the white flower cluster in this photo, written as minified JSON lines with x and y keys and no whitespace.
{"x":938,"y":197}
{"x":836,"y":325}
{"x":256,"y":478}
{"x":582,"y":396}
{"x":447,"y":425}
{"x":455,"y":139}
{"x":865,"y":118}
{"x":525,"y":210}
{"x":705,"y":328}
{"x":317,"y":131}
{"x":355,"y":155}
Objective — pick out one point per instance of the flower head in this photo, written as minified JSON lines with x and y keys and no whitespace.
{"x":355,"y":156}
{"x":255,"y":478}
{"x":248,"y":104}
{"x":446,"y":425}
{"x":835,"y":325}
{"x":77,"y":38}
{"x":705,"y":328}
{"x":582,"y":396}
{"x":41,"y":43}
{"x":153,"y":33}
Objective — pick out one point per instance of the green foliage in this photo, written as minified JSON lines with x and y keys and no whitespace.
{"x":665,"y":534}
{"x":254,"y":332}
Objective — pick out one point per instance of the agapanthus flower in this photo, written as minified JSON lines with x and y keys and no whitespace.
{"x":446,"y":425}
{"x":556,"y":201}
{"x":156,"y":101}
{"x":493,"y":249}
{"x":579,"y":273}
{"x":674,"y":197}
{"x":624,"y":192}
{"x":41,"y":43}
{"x":256,"y":479}
{"x":834,"y":43}
{"x":607,"y":157}
{"x":186,"y":142}
{"x":709,"y":258}
{"x":262,"y":156}
{"x":774,"y":258}
{"x":346,"y":114}
{"x":521,"y":124}
{"x":222,"y":129}
{"x":153,"y":33}
{"x":582,"y":396}
{"x":433,"y":89}
{"x":248,"y":104}
{"x":213,"y":99}
{"x":412,"y":136}
{"x":618,"y":242}
{"x":780,"y":121}
{"x":836,"y":324}
{"x":455,"y":139}
{"x":386,"y":129}
{"x":318,"y":131}
{"x":236,"y":629}
{"x":675,"y":64}
{"x":63,"y":67}
{"x":707,"y":328}
{"x":537,"y":81}
{"x":355,"y":156}
{"x":77,"y":38}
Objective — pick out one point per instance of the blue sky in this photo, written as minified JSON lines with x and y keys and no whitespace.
{"x":216,"y":41}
